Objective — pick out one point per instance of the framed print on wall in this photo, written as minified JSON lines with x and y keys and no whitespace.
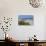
{"x":25,"y":20}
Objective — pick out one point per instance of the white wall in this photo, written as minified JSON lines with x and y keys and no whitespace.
{"x":45,"y":29}
{"x":13,"y":8}
{"x":24,"y":32}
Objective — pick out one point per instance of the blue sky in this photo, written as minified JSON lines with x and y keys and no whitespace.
{"x":25,"y":17}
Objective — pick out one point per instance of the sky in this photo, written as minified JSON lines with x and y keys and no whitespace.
{"x":25,"y":17}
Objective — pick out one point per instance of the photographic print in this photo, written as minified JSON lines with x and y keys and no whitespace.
{"x":25,"y":20}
